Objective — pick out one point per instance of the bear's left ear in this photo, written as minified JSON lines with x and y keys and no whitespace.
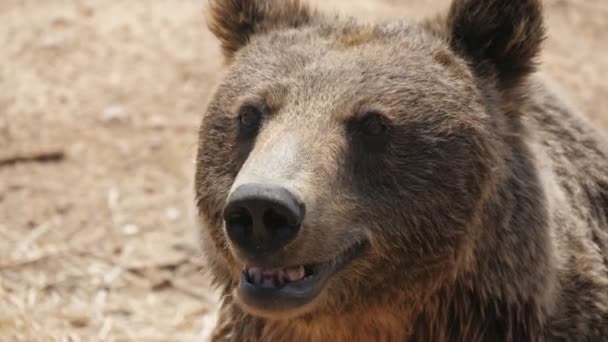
{"x":234,"y":22}
{"x":501,"y":38}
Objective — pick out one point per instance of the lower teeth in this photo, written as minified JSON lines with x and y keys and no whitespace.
{"x":268,"y":282}
{"x":295,"y":273}
{"x":274,"y":278}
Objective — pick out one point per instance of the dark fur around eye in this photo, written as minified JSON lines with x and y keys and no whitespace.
{"x":373,"y":124}
{"x":250,"y":119}
{"x":370,"y":131}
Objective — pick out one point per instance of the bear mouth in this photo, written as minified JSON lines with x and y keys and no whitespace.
{"x":289,"y":288}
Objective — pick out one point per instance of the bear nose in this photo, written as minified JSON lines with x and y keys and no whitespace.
{"x":262,"y":218}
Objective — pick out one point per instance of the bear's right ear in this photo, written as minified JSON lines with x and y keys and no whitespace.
{"x":234,"y":22}
{"x":501,"y":38}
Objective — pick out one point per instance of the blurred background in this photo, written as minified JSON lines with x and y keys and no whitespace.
{"x":99,"y":107}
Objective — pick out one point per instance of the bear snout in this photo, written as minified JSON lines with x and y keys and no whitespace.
{"x":260,"y":219}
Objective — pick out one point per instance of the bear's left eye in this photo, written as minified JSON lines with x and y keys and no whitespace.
{"x":373,"y":124}
{"x":370,"y":131}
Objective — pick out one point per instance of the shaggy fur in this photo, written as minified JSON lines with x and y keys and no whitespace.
{"x":234,"y":22}
{"x":484,"y":200}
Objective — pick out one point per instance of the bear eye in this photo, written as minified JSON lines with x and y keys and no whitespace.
{"x":250,"y":117}
{"x":369,"y":134}
{"x":373,"y":124}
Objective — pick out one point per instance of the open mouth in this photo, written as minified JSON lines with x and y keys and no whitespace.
{"x":291,"y":287}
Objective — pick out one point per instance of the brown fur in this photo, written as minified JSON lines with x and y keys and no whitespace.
{"x":485,"y":203}
{"x":235,"y":21}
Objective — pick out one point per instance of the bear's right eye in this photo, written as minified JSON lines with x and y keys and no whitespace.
{"x":250,"y":118}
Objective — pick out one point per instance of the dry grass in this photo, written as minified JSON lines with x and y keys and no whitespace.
{"x":99,"y":105}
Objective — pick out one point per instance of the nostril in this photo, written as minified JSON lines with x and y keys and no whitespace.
{"x":273,"y":220}
{"x":281,"y":226}
{"x":259,"y":219}
{"x":239,"y":225}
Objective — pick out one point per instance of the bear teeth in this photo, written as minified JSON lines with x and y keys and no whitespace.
{"x":295,"y":273}
{"x":269,"y":278}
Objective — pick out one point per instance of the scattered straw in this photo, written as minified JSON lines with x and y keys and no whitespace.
{"x":8,"y":158}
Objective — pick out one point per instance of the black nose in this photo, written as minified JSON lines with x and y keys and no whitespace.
{"x":261,"y":219}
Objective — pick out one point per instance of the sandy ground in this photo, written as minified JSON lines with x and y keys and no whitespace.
{"x":99,"y":106}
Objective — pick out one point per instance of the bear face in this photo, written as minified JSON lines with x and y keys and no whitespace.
{"x":338,"y":158}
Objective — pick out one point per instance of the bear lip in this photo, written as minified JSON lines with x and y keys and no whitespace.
{"x":288,"y":288}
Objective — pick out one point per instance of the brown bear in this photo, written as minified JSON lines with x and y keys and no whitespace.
{"x":400,"y":181}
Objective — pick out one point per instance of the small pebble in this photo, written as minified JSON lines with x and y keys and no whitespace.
{"x":130,"y":229}
{"x":52,"y":42}
{"x":113,"y":196}
{"x":155,"y":143}
{"x":172,"y":214}
{"x":114,"y":114}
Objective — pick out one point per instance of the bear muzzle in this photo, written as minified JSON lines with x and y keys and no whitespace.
{"x":261,"y":219}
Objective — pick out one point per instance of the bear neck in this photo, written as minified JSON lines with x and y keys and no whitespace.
{"x":372,"y":324}
{"x":505,"y":291}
